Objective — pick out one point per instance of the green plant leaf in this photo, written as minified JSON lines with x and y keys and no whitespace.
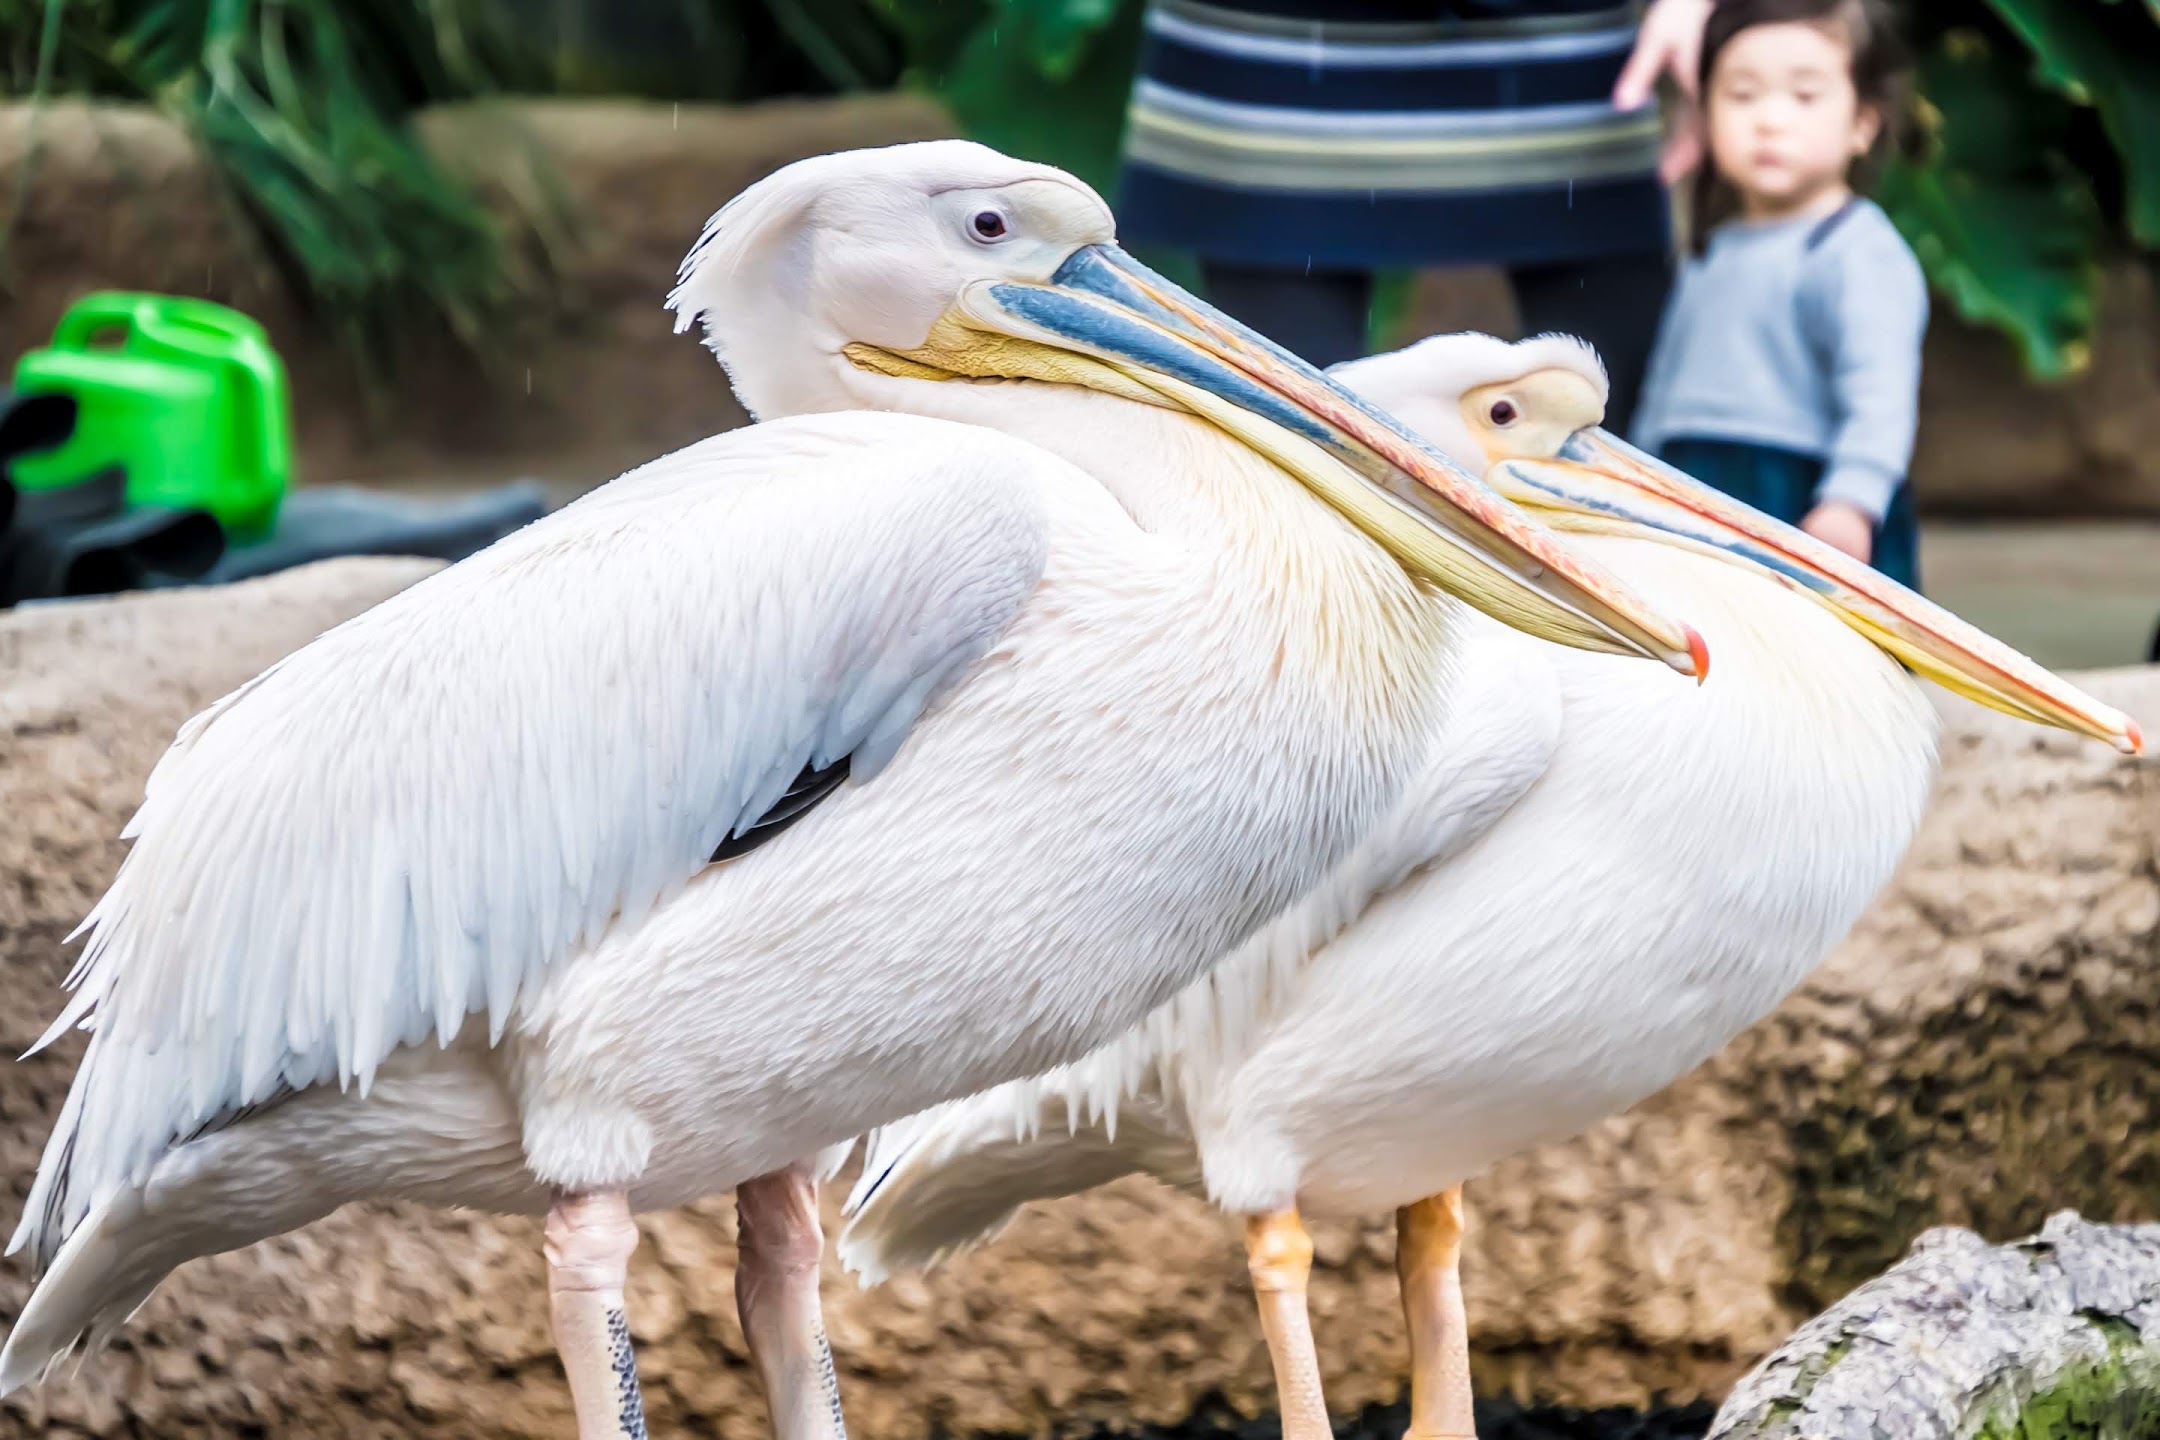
{"x":1065,"y":32}
{"x":1387,"y":324}
{"x":2004,"y":227}
{"x":1042,"y":79}
{"x":2105,"y":53}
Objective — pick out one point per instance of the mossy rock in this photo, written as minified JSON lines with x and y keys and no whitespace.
{"x":2055,"y":1337}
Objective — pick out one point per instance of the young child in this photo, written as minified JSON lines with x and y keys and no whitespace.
{"x":1787,"y":367}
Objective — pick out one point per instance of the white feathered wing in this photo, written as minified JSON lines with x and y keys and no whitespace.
{"x":407,"y":821}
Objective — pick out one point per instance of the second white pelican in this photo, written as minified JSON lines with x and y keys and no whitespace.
{"x":1601,"y":879}
{"x":999,"y":751}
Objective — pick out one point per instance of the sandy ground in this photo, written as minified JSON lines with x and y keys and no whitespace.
{"x":2069,"y":594}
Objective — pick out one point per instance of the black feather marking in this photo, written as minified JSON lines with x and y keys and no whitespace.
{"x":226,"y":1119}
{"x":808,"y":790}
{"x":50,"y":1236}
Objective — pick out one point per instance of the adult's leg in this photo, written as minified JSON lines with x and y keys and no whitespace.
{"x":1321,"y":316}
{"x":1614,"y":303}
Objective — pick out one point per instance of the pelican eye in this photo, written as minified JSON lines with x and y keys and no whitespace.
{"x":1503,"y":412}
{"x":987,"y":225}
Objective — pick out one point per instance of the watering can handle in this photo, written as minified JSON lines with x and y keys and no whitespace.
{"x":268,"y":424}
{"x":87,"y":316}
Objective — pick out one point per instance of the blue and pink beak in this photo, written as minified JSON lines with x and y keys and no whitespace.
{"x":1105,"y":320}
{"x":1600,"y":484}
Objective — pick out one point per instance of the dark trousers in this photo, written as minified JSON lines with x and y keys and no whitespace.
{"x":1782,"y":483}
{"x":1324,"y":315}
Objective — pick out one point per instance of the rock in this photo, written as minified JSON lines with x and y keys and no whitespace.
{"x":2053,"y":1337}
{"x":1981,"y":1053}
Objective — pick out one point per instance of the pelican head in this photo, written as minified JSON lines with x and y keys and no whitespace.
{"x":947,"y":261}
{"x":1483,"y":400}
{"x":1534,"y":409}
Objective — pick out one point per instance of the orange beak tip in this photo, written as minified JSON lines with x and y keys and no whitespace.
{"x":1699,"y":653}
{"x":2133,"y":737}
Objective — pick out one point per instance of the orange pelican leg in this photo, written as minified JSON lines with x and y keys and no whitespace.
{"x":1279,"y":1254}
{"x":1428,"y":1255}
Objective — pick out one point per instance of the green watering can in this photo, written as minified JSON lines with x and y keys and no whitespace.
{"x":184,"y":396}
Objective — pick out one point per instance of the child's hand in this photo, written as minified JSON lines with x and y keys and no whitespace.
{"x":1843,"y":524}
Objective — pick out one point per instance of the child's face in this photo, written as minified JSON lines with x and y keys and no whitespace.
{"x":1785,"y":123}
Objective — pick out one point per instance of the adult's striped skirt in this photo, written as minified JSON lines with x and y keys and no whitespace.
{"x":1353,"y":135}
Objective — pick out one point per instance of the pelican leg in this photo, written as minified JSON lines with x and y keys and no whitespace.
{"x":778,"y":1246}
{"x":1428,"y":1254}
{"x":1279,"y":1254}
{"x":589,"y":1239}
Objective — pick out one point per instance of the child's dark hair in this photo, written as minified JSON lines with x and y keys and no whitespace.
{"x":1880,"y":68}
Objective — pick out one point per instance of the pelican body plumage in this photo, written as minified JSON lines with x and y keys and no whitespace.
{"x":1046,"y":637}
{"x":1602,"y":875}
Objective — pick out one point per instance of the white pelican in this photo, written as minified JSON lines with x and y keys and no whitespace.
{"x":431,"y":909}
{"x":1600,"y":879}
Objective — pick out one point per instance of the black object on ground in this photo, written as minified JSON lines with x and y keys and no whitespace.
{"x":84,"y":538}
{"x":1496,"y":1420}
{"x":1504,"y":1420}
{"x":324,"y":522}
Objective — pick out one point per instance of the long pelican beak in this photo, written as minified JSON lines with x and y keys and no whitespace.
{"x":1601,"y":484}
{"x":1107,"y":322}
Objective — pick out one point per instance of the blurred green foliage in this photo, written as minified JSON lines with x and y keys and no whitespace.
{"x":710,"y":50}
{"x":2039,"y":158}
{"x":2006,"y":228}
{"x":302,"y":107}
{"x":1042,"y":79}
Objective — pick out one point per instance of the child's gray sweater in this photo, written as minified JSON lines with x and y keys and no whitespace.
{"x":1799,"y":335}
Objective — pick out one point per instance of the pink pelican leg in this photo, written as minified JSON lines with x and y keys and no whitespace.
{"x":589,"y":1239}
{"x":778,"y":1245}
{"x":1428,"y":1254}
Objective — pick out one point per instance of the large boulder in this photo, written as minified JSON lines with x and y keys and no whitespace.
{"x":2053,"y":1337}
{"x":1981,"y":1053}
